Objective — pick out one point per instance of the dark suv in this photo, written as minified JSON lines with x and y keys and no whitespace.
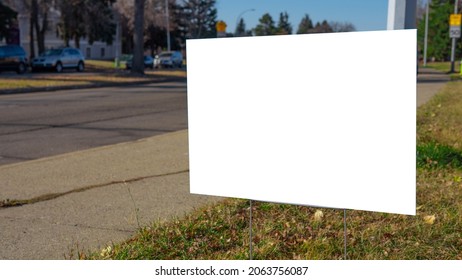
{"x":13,"y":58}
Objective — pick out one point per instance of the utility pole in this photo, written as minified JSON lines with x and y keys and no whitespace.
{"x":168,"y":25}
{"x":426,"y":35}
{"x":453,"y":48}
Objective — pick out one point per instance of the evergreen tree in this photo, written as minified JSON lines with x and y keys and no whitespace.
{"x":155,"y":37}
{"x":100,"y":21}
{"x":284,"y":26}
{"x":196,"y":19}
{"x":322,"y":27}
{"x":265,"y":26}
{"x":305,"y":25}
{"x":240,"y":28}
{"x":92,"y":19}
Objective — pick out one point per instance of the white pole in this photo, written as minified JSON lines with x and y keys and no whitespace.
{"x":453,"y":48}
{"x":426,"y":35}
{"x":401,"y":14}
{"x":391,"y":14}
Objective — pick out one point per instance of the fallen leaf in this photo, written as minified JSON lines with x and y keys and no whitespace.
{"x":318,"y":215}
{"x":430,"y":219}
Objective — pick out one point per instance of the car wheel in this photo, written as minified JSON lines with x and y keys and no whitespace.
{"x":80,"y":67}
{"x":21,"y":68}
{"x":59,"y":67}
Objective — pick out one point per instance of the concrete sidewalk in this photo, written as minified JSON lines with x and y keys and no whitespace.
{"x":91,"y":198}
{"x":86,"y":200}
{"x":429,"y":82}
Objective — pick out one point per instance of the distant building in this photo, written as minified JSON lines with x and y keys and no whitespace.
{"x":97,"y":50}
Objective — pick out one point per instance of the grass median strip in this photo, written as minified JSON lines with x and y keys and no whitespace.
{"x":49,"y":80}
{"x":20,"y":83}
{"x":220,"y":231}
{"x":99,"y":75}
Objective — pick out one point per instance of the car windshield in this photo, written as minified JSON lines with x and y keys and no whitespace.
{"x":52,"y":52}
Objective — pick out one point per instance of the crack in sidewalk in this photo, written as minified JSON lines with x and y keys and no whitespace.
{"x":21,"y":202}
{"x":71,"y":225}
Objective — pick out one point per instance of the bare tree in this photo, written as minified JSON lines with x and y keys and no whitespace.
{"x":126,"y":10}
{"x":155,"y":23}
{"x":38,"y":20}
{"x":40,"y":10}
{"x":7,"y":18}
{"x":138,"y":38}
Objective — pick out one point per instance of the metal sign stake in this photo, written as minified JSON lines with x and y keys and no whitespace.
{"x":345,"y":233}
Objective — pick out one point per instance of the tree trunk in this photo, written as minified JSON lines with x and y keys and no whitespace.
{"x":138,"y":38}
{"x":41,"y":33}
{"x":33,"y":22}
{"x":31,"y":38}
{"x":77,"y":42}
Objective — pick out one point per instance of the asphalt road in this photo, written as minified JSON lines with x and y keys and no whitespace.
{"x":36,"y":125}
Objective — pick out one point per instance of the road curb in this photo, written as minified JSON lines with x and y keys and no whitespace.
{"x":91,"y":150}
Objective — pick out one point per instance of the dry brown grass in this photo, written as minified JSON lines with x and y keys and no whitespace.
{"x":220,"y":231}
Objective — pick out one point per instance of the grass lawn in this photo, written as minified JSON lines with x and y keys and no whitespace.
{"x":100,"y":64}
{"x":445,"y":67}
{"x":442,"y":66}
{"x":220,"y":231}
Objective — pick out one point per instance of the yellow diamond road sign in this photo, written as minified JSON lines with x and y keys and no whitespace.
{"x":221,"y":26}
{"x":455,"y":19}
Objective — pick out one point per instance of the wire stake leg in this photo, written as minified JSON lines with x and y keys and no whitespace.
{"x":345,"y":233}
{"x":250,"y":232}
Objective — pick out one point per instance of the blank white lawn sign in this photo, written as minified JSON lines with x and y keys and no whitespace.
{"x":325,"y":120}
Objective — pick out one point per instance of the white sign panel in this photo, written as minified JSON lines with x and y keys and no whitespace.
{"x":324,"y":120}
{"x":454,"y":31}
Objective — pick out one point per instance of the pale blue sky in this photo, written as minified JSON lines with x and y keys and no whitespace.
{"x":364,"y":14}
